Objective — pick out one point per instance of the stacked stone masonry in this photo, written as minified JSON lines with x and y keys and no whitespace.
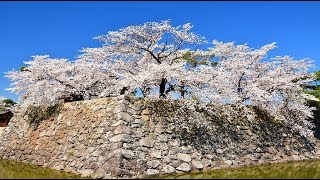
{"x":128,"y":137}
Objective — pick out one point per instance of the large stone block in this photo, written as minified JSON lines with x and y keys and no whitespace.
{"x":147,"y":142}
{"x":184,"y":167}
{"x":153,"y":164}
{"x":184,"y":157}
{"x":119,"y":138}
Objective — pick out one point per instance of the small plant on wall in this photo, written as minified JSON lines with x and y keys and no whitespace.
{"x":36,"y":114}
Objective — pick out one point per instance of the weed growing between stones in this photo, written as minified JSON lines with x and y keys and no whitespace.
{"x":36,"y":114}
{"x":70,"y":154}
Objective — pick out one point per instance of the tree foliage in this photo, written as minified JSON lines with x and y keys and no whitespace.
{"x":313,"y":88}
{"x":6,"y":103}
{"x":158,"y":60}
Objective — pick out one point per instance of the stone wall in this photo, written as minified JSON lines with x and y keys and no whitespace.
{"x":127,"y":137}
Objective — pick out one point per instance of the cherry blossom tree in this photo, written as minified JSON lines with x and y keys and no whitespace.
{"x":244,"y":76}
{"x":146,"y":56}
{"x":42,"y":81}
{"x":165,"y":61}
{"x":50,"y":81}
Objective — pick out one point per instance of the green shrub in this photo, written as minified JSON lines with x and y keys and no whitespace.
{"x":8,"y":102}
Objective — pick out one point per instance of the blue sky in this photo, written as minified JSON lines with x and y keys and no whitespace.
{"x":60,"y":29}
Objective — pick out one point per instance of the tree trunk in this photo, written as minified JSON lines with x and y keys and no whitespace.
{"x":239,"y":83}
{"x":182,"y":92}
{"x":162,"y":88}
{"x":123,"y":90}
{"x":73,"y":97}
{"x":145,"y":91}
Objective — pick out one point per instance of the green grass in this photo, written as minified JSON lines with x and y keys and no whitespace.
{"x":19,"y":170}
{"x":293,"y":170}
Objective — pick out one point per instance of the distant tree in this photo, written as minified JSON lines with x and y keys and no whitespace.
{"x":23,"y":68}
{"x":6,"y":103}
{"x":9,"y":102}
{"x":313,"y":89}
